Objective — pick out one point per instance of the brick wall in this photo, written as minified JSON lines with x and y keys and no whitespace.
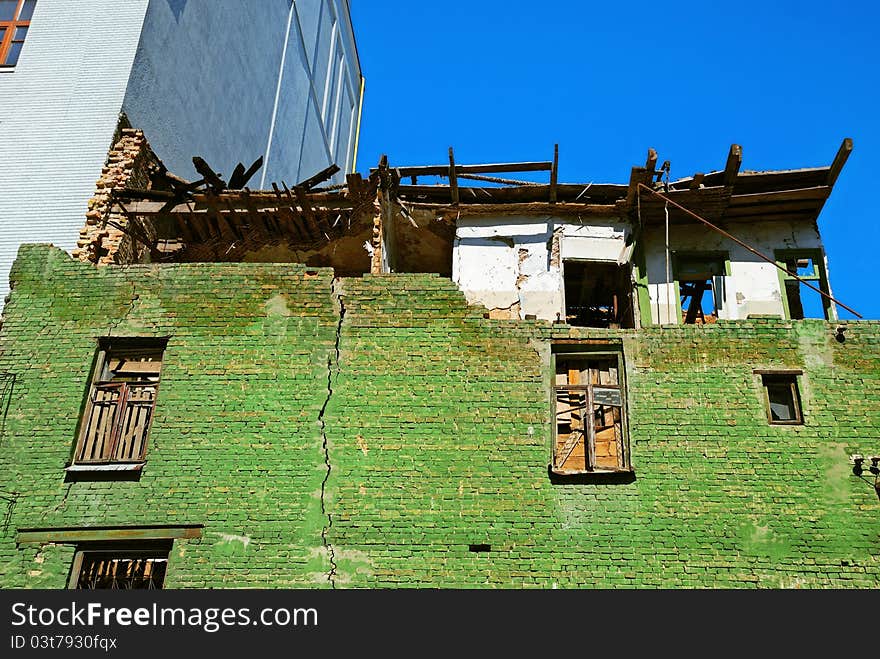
{"x":433,"y":435}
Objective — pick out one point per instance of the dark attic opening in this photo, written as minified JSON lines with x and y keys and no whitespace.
{"x":597,"y":294}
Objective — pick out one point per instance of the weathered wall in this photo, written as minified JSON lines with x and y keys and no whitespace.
{"x":276,"y":78}
{"x":437,"y":433}
{"x":511,"y":263}
{"x":753,"y":284}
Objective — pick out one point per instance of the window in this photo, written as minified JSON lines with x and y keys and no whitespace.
{"x":121,"y":400}
{"x":597,"y":294}
{"x":782,"y":398}
{"x":120,"y":567}
{"x":589,"y":410}
{"x":700,"y":281}
{"x":15,"y":18}
{"x":800,"y":300}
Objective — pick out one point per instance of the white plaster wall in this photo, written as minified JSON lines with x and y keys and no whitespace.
{"x":500,"y":262}
{"x":753,"y":284}
{"x":58,"y":110}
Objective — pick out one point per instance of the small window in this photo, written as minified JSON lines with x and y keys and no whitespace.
{"x":104,"y":567}
{"x":122,"y":398}
{"x":700,"y":280}
{"x":782,"y":399}
{"x":15,"y":19}
{"x":589,"y":410}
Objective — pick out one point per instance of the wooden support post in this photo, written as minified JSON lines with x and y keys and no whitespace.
{"x":554,"y":174}
{"x":651,"y":162}
{"x":453,"y":179}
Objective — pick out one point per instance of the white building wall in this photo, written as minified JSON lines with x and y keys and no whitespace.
{"x":504,"y":262}
{"x":59,"y":107}
{"x":753,"y":284}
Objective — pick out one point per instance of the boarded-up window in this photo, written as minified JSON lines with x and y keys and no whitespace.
{"x":121,"y":401}
{"x":120,"y":569}
{"x":590,"y":415}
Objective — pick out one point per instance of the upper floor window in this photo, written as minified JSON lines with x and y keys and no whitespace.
{"x":802,"y":301}
{"x":700,"y":281}
{"x":15,"y":18}
{"x":590,"y":418}
{"x":597,"y":294}
{"x":121,"y":400}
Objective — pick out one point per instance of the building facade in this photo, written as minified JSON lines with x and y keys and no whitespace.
{"x":352,"y":412}
{"x":225,"y":80}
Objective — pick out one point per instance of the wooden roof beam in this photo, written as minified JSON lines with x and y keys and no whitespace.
{"x":734,"y":161}
{"x":554,"y":174}
{"x":453,"y":179}
{"x":839,"y":161}
{"x":651,"y":162}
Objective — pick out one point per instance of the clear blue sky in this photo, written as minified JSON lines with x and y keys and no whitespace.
{"x":504,"y":80}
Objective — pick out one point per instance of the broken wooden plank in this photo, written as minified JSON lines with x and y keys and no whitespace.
{"x":651,"y":162}
{"x":731,"y":167}
{"x":453,"y":179}
{"x":312,"y":234}
{"x":554,"y":174}
{"x":320,"y":177}
{"x":488,"y":168}
{"x":839,"y":161}
{"x":308,"y":212}
{"x":213,"y":180}
{"x":528,"y":208}
{"x":819,"y":192}
{"x":240,"y":176}
{"x":289,"y":222}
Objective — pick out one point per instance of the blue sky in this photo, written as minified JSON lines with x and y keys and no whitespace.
{"x":506,"y":80}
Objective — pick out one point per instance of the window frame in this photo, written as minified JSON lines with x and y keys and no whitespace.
{"x":782,"y":377}
{"x":819,"y":278}
{"x":119,"y":549}
{"x":680,"y":256}
{"x":107,"y":347}
{"x":586,"y":353}
{"x":9,"y":36}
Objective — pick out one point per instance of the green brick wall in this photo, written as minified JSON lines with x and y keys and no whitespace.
{"x":434,"y":434}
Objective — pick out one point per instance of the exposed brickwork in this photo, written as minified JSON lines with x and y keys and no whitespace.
{"x":127,"y":166}
{"x":436,"y":432}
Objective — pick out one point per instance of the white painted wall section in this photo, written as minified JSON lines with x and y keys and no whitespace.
{"x":753,"y":284}
{"x":503,"y":262}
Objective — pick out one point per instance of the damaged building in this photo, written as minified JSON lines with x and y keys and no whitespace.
{"x":452,"y":375}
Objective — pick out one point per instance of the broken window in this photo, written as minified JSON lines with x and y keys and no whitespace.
{"x":123,"y":567}
{"x":782,"y":398}
{"x":597,"y":294}
{"x":700,"y":280}
{"x":121,"y":401}
{"x":589,"y":411}
{"x":801,"y":301}
{"x":15,"y":19}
